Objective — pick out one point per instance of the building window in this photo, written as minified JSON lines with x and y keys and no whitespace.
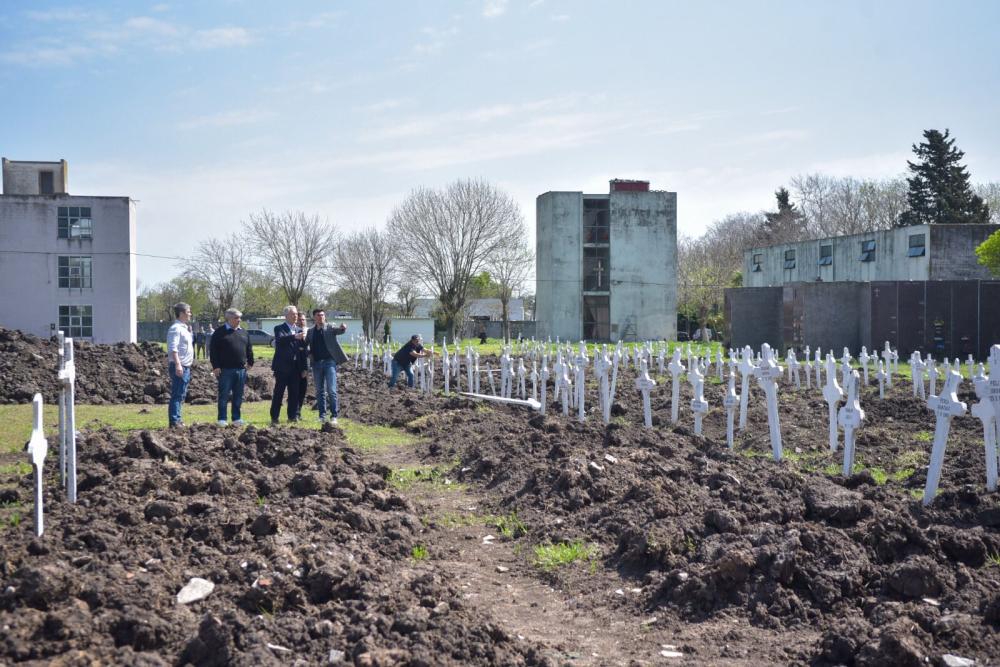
{"x":918,"y":246}
{"x":868,"y":251}
{"x":596,"y":221}
{"x":46,"y":183}
{"x":596,"y":269}
{"x":825,"y":255}
{"x":77,"y":321}
{"x":755,"y":262}
{"x":596,"y":318}
{"x":789,"y":259}
{"x":75,"y":223}
{"x":75,"y":272}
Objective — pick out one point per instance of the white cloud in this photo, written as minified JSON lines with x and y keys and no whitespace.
{"x":63,"y":15}
{"x":146,"y":25}
{"x":227,"y":119}
{"x":216,"y":38}
{"x":48,"y":56}
{"x":494,"y":8}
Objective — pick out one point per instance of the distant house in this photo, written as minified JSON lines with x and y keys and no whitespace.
{"x":480,"y":310}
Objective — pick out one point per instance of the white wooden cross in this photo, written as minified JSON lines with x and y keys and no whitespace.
{"x":659,"y":358}
{"x":864,"y":359}
{"x":38,"y":448}
{"x":887,"y":359}
{"x":818,"y":365}
{"x":880,"y":374}
{"x":971,"y":364}
{"x":506,"y":373}
{"x":718,"y":363}
{"x":699,"y":406}
{"x":545,"y":381}
{"x":430,"y":372}
{"x":566,"y":386}
{"x":446,"y":371}
{"x":489,"y":376}
{"x":387,"y":362}
{"x":809,"y":368}
{"x":984,"y":411}
{"x":945,"y":407}
{"x":676,"y":369}
{"x":833,"y":393}
{"x":768,"y":374}
{"x":62,"y":412}
{"x":932,"y":373}
{"x":67,"y":377}
{"x":534,"y":380}
{"x":747,"y":369}
{"x":581,"y":364}
{"x":602,"y":366}
{"x":729,"y":402}
{"x":850,"y":419}
{"x":980,"y":372}
{"x":645,"y":384}
{"x":989,"y":392}
{"x":616,"y":357}
{"x":845,"y":366}
{"x":475,"y":375}
{"x":895,"y":361}
{"x":793,"y":368}
{"x":917,"y":369}
{"x":522,"y":374}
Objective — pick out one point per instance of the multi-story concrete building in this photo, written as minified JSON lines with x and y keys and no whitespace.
{"x":920,"y":252}
{"x":606,"y":264}
{"x":66,"y":261}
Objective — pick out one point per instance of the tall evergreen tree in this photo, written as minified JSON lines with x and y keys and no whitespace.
{"x":787,"y":225}
{"x":939,"y":191}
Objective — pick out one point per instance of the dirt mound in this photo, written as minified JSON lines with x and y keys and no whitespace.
{"x":119,"y":373}
{"x":306,"y":545}
{"x":707,"y":531}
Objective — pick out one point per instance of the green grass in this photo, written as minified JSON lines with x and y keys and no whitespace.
{"x":917,"y":494}
{"x":510,"y":527}
{"x":902,"y":474}
{"x":430,"y":477}
{"x":879,"y":475}
{"x":924,"y":436}
{"x":15,"y":422}
{"x":833,"y":469}
{"x":455,"y":520}
{"x":993,"y":559}
{"x":548,"y":557}
{"x":19,"y":469}
{"x":495,"y":346}
{"x":419,"y":552}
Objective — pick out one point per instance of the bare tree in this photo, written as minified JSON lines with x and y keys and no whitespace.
{"x":509,"y":266}
{"x":364,"y":263}
{"x":990,"y":193}
{"x":451,"y":233}
{"x":406,"y":297}
{"x":701,"y":279}
{"x":296,"y":248}
{"x":840,"y":206}
{"x":221,"y":264}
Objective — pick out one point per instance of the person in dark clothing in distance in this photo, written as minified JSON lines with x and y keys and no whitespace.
{"x":404,"y":358}
{"x":302,"y":368}
{"x":284,"y":365}
{"x":325,"y":353}
{"x":231,"y":354}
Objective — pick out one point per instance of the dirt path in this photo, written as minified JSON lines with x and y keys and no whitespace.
{"x":585,"y":614}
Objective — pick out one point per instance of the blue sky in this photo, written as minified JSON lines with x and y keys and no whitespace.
{"x":206,"y":110}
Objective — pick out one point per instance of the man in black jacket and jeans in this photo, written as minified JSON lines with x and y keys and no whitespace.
{"x":284,"y":365}
{"x":325,"y":353}
{"x":231,"y":354}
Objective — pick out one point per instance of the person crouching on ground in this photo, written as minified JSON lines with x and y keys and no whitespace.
{"x":181,"y":356}
{"x":284,"y":365}
{"x":404,"y":358}
{"x":231,"y":354}
{"x":325,"y":353}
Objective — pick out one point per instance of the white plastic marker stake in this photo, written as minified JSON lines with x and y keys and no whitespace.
{"x":38,"y":448}
{"x":932,"y":373}
{"x":616,"y":358}
{"x":768,"y":374}
{"x":845,"y":367}
{"x":818,"y":365}
{"x":864,"y":359}
{"x":793,"y":368}
{"x":887,"y":361}
{"x":545,"y":382}
{"x":880,"y":374}
{"x":718,"y":363}
{"x":446,"y":371}
{"x":971,"y":363}
{"x":645,"y":384}
{"x":67,"y":376}
{"x":62,"y":412}
{"x":945,"y":407}
{"x":850,"y":419}
{"x":729,"y":402}
{"x":565,"y":386}
{"x":522,"y":373}
{"x":528,"y":403}
{"x":747,"y":369}
{"x":833,"y":394}
{"x":676,"y":368}
{"x":917,"y":371}
{"x":808,"y":366}
{"x":581,"y":365}
{"x":699,"y":406}
{"x":534,"y":380}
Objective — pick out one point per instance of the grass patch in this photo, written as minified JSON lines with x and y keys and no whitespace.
{"x":433,"y":477}
{"x":19,"y":469}
{"x":510,"y":527}
{"x":902,"y":474}
{"x":917,"y":494}
{"x":993,"y":559}
{"x":454,"y":520}
{"x":366,"y":437}
{"x":551,"y":556}
{"x":419,"y":552}
{"x":879,"y":475}
{"x":832,"y":469}
{"x":924,"y":436}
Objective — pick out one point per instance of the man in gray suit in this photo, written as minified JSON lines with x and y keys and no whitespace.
{"x":325,"y":353}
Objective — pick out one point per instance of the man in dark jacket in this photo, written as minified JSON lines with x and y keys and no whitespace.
{"x":404,"y":358}
{"x":325,"y":353}
{"x":301,"y":368}
{"x":284,"y":365}
{"x":231,"y":354}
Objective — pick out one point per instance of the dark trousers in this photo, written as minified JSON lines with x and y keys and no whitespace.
{"x":303,"y":388}
{"x":283,"y":382}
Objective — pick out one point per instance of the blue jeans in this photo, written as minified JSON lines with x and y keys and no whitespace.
{"x":325,"y":378}
{"x":178,"y":390}
{"x":395,"y":373}
{"x":231,"y":380}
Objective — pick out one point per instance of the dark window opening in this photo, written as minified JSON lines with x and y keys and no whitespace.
{"x":596,"y":318}
{"x":596,"y":269}
{"x":75,"y":223}
{"x":789,"y":259}
{"x":917,"y":246}
{"x":46,"y":182}
{"x":867,"y":251}
{"x":825,"y":255}
{"x":755,"y":263}
{"x":75,"y":272}
{"x":596,"y":220}
{"x":77,"y":321}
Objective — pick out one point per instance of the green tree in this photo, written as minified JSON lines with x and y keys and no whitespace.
{"x":939,"y":190}
{"x":787,"y":224}
{"x":988,"y":253}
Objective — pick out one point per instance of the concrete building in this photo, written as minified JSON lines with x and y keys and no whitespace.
{"x":921,"y":252}
{"x":488,"y":310}
{"x":606,"y":264}
{"x":66,"y":261}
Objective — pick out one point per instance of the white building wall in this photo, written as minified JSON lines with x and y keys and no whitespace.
{"x":643,"y":258}
{"x":559,"y":265}
{"x":31,"y":295}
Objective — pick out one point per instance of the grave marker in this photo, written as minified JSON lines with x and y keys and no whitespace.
{"x":747,"y":369}
{"x":808,"y":366}
{"x":932,"y":374}
{"x":833,"y":393}
{"x":818,"y":365}
{"x":864,"y":359}
{"x":881,"y":379}
{"x":62,"y":412}
{"x":850,"y":419}
{"x":581,"y":365}
{"x":845,"y":368}
{"x":729,"y":402}
{"x":38,"y":448}
{"x":887,"y":360}
{"x":676,"y":368}
{"x":983,"y":410}
{"x":768,"y":374}
{"x":945,"y":407}
{"x":699,"y":406}
{"x":645,"y":384}
{"x":545,"y":382}
{"x":793,"y":368}
{"x":67,"y":376}
{"x":917,"y":369}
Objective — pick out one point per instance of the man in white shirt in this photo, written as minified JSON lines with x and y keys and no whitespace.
{"x":180,"y":355}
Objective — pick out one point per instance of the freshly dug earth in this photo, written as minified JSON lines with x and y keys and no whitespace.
{"x":119,"y":373}
{"x":307,"y":546}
